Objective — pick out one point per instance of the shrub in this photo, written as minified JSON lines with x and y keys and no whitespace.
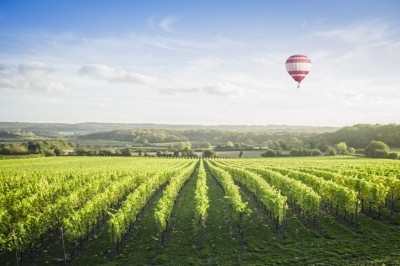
{"x":393,"y":155}
{"x":269,"y":153}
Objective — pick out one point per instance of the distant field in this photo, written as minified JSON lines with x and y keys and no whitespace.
{"x":246,"y":154}
{"x":311,"y":216}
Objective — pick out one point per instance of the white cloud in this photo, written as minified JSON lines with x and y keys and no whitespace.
{"x":115,"y":75}
{"x":34,"y":69}
{"x":31,"y":76}
{"x":223,"y":89}
{"x":165,"y":23}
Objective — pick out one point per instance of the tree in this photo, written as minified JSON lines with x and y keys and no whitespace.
{"x":283,"y":145}
{"x":249,"y":142}
{"x":331,"y":151}
{"x":209,"y":153}
{"x":125,"y":152}
{"x":323,"y":147}
{"x":140,"y":150}
{"x":182,"y":145}
{"x":229,"y":144}
{"x":58,"y":152}
{"x":351,"y":150}
{"x":269,"y":153}
{"x":377,"y":149}
{"x":275,"y":145}
{"x":341,"y":148}
{"x":34,"y":147}
{"x":205,"y":145}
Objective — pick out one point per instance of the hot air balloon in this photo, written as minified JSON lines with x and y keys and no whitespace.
{"x":298,"y":67}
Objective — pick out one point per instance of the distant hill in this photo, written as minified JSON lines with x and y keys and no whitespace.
{"x":357,"y":136}
{"x":91,"y":127}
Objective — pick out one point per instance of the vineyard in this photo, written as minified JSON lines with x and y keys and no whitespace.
{"x":140,"y":211}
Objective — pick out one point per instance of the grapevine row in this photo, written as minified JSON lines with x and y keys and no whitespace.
{"x":165,"y":204}
{"x":200,"y":196}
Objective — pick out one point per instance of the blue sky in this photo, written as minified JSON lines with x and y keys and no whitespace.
{"x":199,"y":62}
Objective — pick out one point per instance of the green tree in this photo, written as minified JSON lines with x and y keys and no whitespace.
{"x":140,"y":150}
{"x":282,"y":144}
{"x":34,"y":147}
{"x":183,"y":145}
{"x":331,"y":151}
{"x":125,"y":152}
{"x":209,"y":153}
{"x":205,"y":145}
{"x":341,"y":148}
{"x":229,"y":144}
{"x":58,"y":151}
{"x":377,"y":149}
{"x":351,"y":150}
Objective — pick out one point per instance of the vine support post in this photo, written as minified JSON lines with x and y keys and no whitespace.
{"x":17,"y":257}
{"x":63,"y":243}
{"x":391,"y":206}
{"x":283,"y":220}
{"x":320,"y":216}
{"x":356,"y":212}
{"x":16,"y":247}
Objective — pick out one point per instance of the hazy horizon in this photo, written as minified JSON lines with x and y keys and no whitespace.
{"x":199,"y":62}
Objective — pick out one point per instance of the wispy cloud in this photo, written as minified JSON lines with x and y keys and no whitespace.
{"x":112,"y":74}
{"x":360,"y":33}
{"x":32,"y":76}
{"x":223,"y":89}
{"x":165,"y":23}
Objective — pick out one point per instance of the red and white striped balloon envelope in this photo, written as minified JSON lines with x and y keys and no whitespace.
{"x":298,"y":66}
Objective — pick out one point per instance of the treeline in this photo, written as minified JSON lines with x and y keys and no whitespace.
{"x":346,"y":141}
{"x":214,"y":137}
{"x":357,"y":136}
{"x":17,"y":134}
{"x":360,"y":135}
{"x":47,"y":147}
{"x":143,"y":136}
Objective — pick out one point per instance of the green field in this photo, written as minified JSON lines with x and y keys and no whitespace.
{"x":144,"y":211}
